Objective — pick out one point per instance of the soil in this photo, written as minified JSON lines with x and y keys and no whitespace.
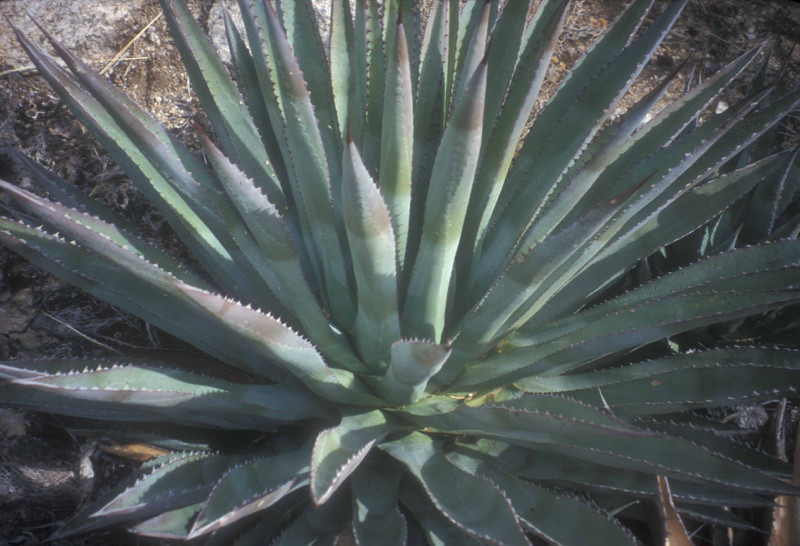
{"x":47,"y":473}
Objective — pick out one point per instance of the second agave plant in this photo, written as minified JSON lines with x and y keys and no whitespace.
{"x":436,"y":304}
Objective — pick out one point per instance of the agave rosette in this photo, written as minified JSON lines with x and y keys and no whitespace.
{"x":431,"y":298}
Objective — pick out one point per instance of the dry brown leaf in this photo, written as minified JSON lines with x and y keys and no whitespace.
{"x":674,"y":531}
{"x":786,"y":515}
{"x":134,"y":452}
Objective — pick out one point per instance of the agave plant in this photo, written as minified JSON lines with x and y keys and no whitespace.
{"x":432,"y":310}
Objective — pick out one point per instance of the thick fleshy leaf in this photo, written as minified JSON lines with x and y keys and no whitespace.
{"x":98,"y":218}
{"x":278,"y":259}
{"x":414,"y":362}
{"x":372,"y":247}
{"x":707,"y":292}
{"x":183,"y":480}
{"x":719,"y":377}
{"x":247,"y":80}
{"x":338,"y":451}
{"x":503,"y":129}
{"x":397,"y":140}
{"x":472,"y":503}
{"x":376,"y":517}
{"x":132,"y":291}
{"x":165,"y":492}
{"x":436,"y":528}
{"x":311,"y":183}
{"x":194,"y":222}
{"x":221,"y":102}
{"x":133,"y":392}
{"x":557,"y":518}
{"x":278,"y":343}
{"x":566,"y":427}
{"x":561,"y":470}
{"x":316,"y":525}
{"x":570,"y":119}
{"x":173,"y":524}
{"x":427,"y":299}
{"x":525,"y":276}
{"x":250,"y":487}
{"x":260,"y":329}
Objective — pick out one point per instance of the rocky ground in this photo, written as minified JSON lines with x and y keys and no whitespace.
{"x":46,"y":473}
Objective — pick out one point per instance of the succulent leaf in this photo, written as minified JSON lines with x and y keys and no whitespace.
{"x":472,"y":503}
{"x":338,"y":451}
{"x":376,"y":517}
{"x":431,"y":319}
{"x":249,"y":487}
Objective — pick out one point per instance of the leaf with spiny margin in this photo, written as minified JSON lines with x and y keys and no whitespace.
{"x":343,"y":83}
{"x":556,"y":517}
{"x":503,"y":128}
{"x":69,"y":195}
{"x":221,"y":102}
{"x":303,"y":36}
{"x":663,"y":128}
{"x":446,"y":203}
{"x":182,"y":170}
{"x":85,"y":521}
{"x":130,"y":291}
{"x":429,"y":116}
{"x":569,"y":120}
{"x":451,"y":50}
{"x":397,"y":139}
{"x":569,"y":188}
{"x":311,"y":185}
{"x":562,"y":426}
{"x":339,"y":450}
{"x":562,"y":470}
{"x":185,"y":479}
{"x":187,"y":222}
{"x":474,"y":504}
{"x":247,"y":79}
{"x":642,"y":219}
{"x":360,"y":81}
{"x":250,"y":487}
{"x":705,"y":379}
{"x":708,"y":292}
{"x":279,"y":344}
{"x":264,"y":334}
{"x":714,"y":150}
{"x":316,"y":525}
{"x":659,"y":229}
{"x":173,"y":524}
{"x":279,"y":261}
{"x":414,"y":362}
{"x":371,"y":146}
{"x":524,"y":277}
{"x":107,"y":224}
{"x":687,"y":212}
{"x":719,"y":442}
{"x":510,"y":55}
{"x":473,"y":52}
{"x":372,"y":247}
{"x":467,"y":23}
{"x":376,"y":517}
{"x":765,"y":203}
{"x":139,"y":392}
{"x":438,"y":530}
